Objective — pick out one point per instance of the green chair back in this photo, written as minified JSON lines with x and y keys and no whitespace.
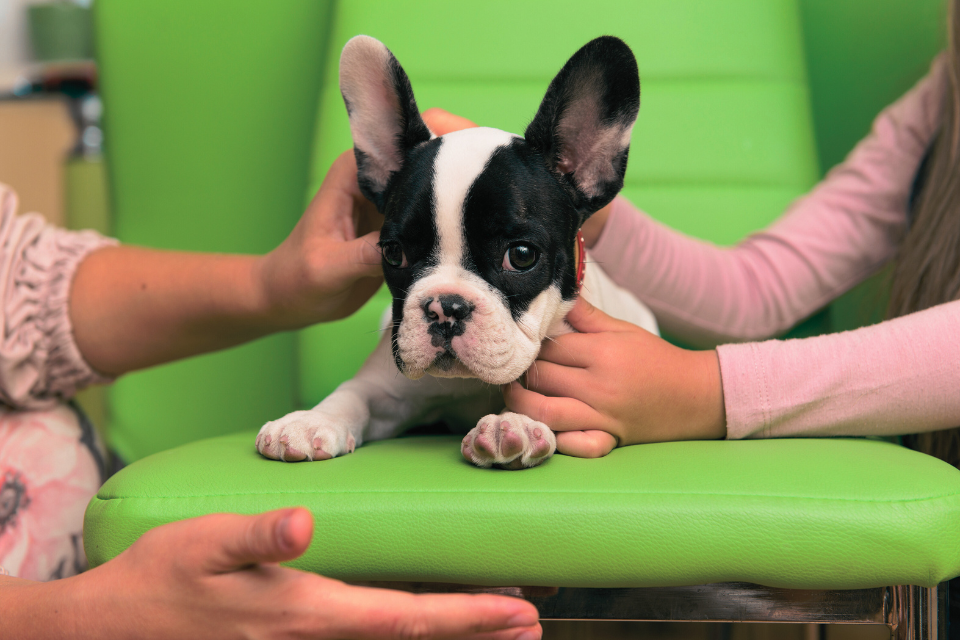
{"x":209,"y":112}
{"x":212,"y":123}
{"x":861,"y":56}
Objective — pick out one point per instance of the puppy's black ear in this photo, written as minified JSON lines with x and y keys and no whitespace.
{"x":384,"y":118}
{"x":584,"y":122}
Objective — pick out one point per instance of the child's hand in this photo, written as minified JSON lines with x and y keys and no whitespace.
{"x":217,"y":577}
{"x":618,"y":379}
{"x":330,"y":264}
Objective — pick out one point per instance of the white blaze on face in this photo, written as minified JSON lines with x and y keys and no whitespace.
{"x":493,"y":346}
{"x":462,"y":156}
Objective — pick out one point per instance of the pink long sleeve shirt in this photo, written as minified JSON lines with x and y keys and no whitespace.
{"x":899,"y":376}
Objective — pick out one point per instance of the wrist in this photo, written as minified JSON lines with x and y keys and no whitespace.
{"x":272,"y":289}
{"x":263,"y":299}
{"x":710,"y":420}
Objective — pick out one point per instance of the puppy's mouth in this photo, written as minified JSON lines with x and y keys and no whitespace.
{"x":446,"y":360}
{"x":443,"y":333}
{"x":448,"y":365}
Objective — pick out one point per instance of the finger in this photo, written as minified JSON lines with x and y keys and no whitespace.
{"x":560,"y":414}
{"x":331,"y":211}
{"x":365,"y":612}
{"x":569,"y":350}
{"x":552,"y":379}
{"x":344,"y":170}
{"x":586,"y":318}
{"x":442,"y":122}
{"x":585,"y":444}
{"x":229,"y":542}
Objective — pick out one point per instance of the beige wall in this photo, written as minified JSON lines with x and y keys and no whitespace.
{"x":35,"y":137}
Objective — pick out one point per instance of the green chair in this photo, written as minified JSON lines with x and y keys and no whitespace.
{"x":789,"y":530}
{"x":209,"y":112}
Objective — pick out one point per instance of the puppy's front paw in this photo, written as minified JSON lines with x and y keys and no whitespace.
{"x":305,"y":435}
{"x":508,"y":441}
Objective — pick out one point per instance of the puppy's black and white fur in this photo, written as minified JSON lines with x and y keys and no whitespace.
{"x":478,"y":246}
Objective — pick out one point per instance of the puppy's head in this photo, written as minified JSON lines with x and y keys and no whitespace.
{"x":480,"y":225}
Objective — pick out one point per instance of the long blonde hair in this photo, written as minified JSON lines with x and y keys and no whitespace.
{"x":927,"y":272}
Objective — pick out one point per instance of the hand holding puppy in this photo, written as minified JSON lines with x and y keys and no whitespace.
{"x":329,"y":265}
{"x":133,"y":307}
{"x":614,"y":383}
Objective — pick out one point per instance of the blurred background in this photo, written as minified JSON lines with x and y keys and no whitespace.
{"x":206,"y":125}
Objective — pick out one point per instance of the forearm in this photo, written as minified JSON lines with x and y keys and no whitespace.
{"x":708,"y":295}
{"x":897,"y":377}
{"x":827,"y":242}
{"x":132,"y":307}
{"x":37,"y":610}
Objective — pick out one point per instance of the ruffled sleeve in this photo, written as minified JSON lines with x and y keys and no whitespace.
{"x":39,"y":359}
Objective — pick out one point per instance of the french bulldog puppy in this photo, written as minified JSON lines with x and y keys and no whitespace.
{"x":480,"y":252}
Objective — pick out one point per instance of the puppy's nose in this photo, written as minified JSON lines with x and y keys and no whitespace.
{"x":447,"y":308}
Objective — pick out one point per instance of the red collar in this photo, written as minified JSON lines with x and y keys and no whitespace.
{"x":580,"y":252}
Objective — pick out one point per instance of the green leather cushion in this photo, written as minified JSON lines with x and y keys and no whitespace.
{"x":789,"y":513}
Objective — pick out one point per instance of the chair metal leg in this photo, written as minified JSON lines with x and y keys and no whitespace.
{"x":919,"y":613}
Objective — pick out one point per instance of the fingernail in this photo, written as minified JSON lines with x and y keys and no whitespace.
{"x":283,"y":532}
{"x":525,"y":619}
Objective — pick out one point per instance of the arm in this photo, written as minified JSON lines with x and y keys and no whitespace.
{"x":217,"y":577}
{"x":897,"y":377}
{"x":132,"y":307}
{"x":828,"y":241}
{"x":76,"y":309}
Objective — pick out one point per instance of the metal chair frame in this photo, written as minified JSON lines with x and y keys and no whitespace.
{"x":910,"y":612}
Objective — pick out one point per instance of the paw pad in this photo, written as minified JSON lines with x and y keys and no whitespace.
{"x":508,"y":441}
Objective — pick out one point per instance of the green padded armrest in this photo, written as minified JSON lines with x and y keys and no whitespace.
{"x":786,"y":513}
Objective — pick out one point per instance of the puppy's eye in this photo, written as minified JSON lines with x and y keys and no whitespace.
{"x":520,"y":257}
{"x":393,"y":254}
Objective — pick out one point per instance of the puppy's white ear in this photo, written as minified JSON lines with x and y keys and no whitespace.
{"x":584,"y":122}
{"x":384,"y":118}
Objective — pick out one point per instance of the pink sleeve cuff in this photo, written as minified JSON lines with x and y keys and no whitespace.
{"x":39,"y":359}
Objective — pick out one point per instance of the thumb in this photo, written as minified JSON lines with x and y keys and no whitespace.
{"x":240,"y":541}
{"x":367,"y":257}
{"x":586,"y":318}
{"x":354,"y":259}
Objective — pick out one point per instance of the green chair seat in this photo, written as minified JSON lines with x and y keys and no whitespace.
{"x":826,"y":514}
